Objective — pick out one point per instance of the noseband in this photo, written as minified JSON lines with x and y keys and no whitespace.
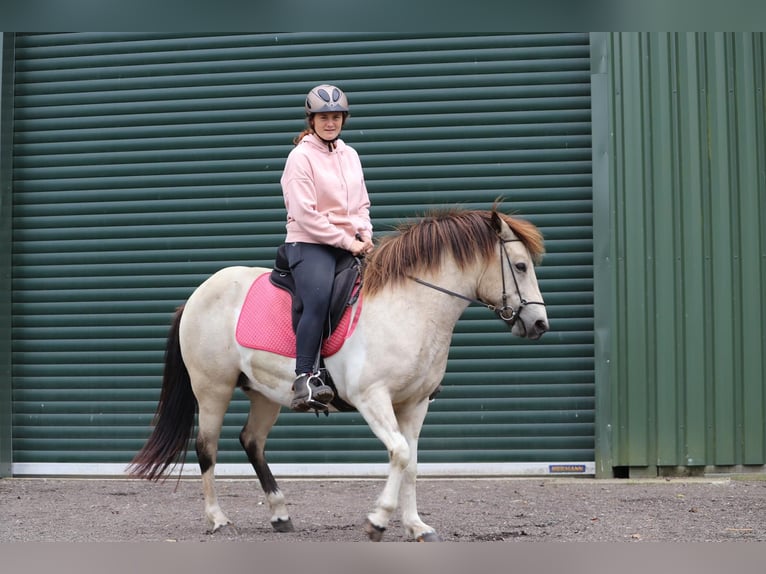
{"x":505,"y":312}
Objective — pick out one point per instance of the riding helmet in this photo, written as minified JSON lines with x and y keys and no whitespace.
{"x":326,"y":98}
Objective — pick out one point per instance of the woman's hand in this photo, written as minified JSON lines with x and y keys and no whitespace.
{"x":362,"y":247}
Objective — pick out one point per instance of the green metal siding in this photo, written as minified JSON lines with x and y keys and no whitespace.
{"x":688,"y":250}
{"x":6,"y":160}
{"x":144,"y":163}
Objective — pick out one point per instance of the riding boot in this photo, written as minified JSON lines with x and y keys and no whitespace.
{"x":310,"y":392}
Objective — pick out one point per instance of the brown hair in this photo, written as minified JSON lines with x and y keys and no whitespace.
{"x":297,"y":139}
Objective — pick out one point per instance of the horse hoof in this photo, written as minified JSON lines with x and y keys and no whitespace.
{"x":282,"y":525}
{"x":374,"y":532}
{"x":429,"y":537}
{"x":227,"y":528}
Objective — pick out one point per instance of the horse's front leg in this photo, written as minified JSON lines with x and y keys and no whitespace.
{"x":377,"y":410}
{"x":410,"y":422}
{"x":263,"y":415}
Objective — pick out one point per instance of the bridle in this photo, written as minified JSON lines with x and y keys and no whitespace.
{"x":507,"y":313}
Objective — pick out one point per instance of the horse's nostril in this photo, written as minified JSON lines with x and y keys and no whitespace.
{"x":541,"y":325}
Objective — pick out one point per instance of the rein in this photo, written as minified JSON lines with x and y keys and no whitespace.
{"x":501,"y":312}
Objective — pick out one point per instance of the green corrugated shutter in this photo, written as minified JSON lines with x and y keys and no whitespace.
{"x":144,"y":163}
{"x":6,"y":162}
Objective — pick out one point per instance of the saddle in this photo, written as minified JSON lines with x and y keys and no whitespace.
{"x":345,"y":291}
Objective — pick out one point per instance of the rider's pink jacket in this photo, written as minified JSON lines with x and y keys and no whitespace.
{"x":325,"y":194}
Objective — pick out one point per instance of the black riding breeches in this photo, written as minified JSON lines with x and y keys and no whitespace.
{"x":313,"y":268}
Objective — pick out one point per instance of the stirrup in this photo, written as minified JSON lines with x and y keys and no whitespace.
{"x":310,"y":392}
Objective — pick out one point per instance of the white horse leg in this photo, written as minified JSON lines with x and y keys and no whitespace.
{"x":263,"y":415}
{"x":379,"y":414}
{"x":212,"y":408}
{"x":410,"y":422}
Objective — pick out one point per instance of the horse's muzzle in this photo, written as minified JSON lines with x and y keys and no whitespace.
{"x":534,"y":323}
{"x":530,"y":330}
{"x":538,"y":329}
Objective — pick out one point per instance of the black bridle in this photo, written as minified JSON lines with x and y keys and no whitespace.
{"x":505,"y":312}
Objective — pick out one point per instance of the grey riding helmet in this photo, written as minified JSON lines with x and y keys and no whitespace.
{"x":326,"y":98}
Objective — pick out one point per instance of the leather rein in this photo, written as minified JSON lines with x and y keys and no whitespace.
{"x":505,"y":312}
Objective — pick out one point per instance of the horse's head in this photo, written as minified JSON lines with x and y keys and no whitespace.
{"x":509,"y":282}
{"x":502,"y":250}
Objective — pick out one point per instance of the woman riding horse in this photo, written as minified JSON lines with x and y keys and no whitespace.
{"x":328,"y":218}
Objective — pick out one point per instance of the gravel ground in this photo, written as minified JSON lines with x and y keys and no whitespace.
{"x":719,"y":509}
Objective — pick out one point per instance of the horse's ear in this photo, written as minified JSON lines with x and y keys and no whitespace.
{"x":497,"y":222}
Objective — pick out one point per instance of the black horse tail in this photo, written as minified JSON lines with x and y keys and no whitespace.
{"x":174,"y":419}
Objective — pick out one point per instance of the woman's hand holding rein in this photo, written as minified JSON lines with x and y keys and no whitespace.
{"x":361,"y":247}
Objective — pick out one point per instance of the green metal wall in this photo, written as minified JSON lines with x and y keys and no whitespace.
{"x":683,"y":211}
{"x":144,"y":163}
{"x":6,"y":160}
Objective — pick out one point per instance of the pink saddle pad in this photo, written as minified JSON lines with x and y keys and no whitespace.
{"x":265,"y":322}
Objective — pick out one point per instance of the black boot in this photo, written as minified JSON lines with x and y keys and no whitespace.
{"x":310,"y":392}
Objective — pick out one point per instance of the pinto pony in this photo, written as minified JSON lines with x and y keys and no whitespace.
{"x":416,"y":285}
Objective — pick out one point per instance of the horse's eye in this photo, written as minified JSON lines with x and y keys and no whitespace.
{"x":521,"y":267}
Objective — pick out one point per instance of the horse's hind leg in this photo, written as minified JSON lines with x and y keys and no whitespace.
{"x":213,"y":401}
{"x":263,"y":415}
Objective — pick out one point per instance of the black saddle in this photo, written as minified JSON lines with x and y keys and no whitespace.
{"x":345,"y":291}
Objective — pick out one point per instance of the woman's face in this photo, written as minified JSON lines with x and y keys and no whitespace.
{"x":327,"y":125}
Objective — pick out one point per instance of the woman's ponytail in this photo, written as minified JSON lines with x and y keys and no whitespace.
{"x":297,"y":139}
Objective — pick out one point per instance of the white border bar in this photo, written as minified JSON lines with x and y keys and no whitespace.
{"x":425,"y":470}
